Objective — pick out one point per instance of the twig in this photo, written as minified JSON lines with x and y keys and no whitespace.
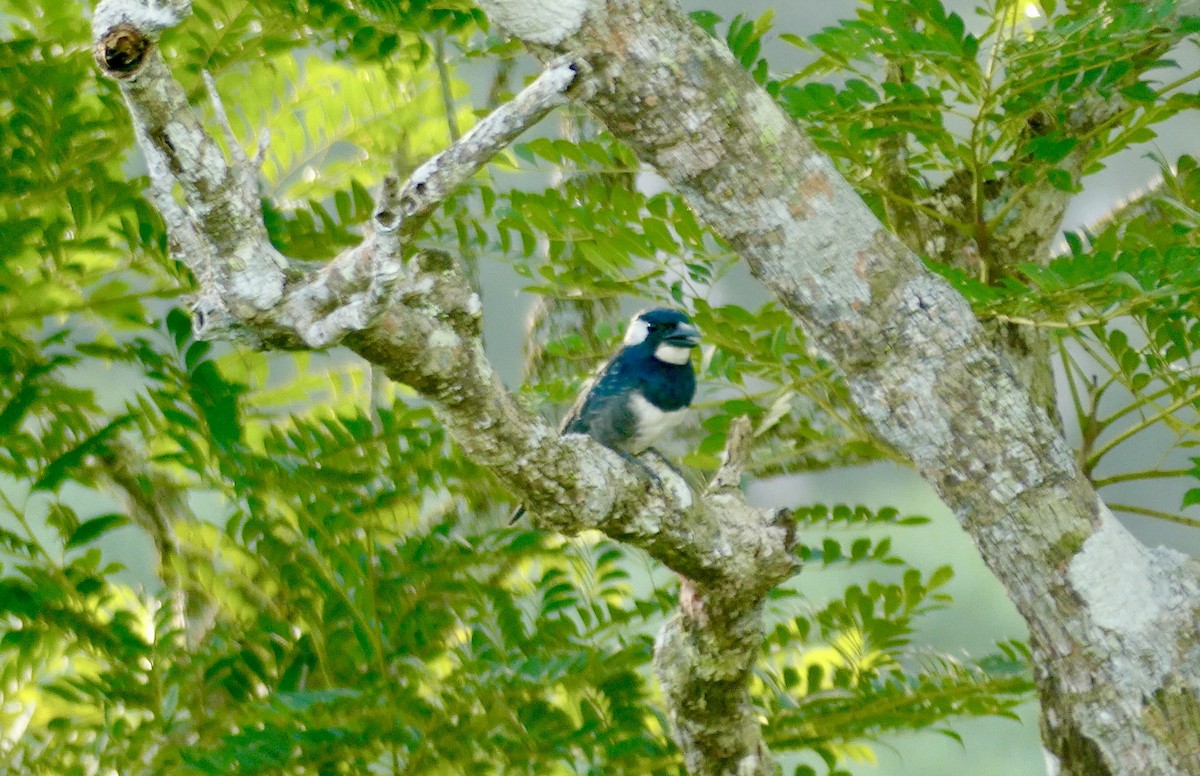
{"x":1156,"y":514}
{"x":434,"y":181}
{"x":734,"y":457}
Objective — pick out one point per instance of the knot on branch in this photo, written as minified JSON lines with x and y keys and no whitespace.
{"x":580,"y":87}
{"x":389,"y":213}
{"x":212,"y":320}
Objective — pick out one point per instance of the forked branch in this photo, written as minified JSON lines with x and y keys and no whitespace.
{"x":415,"y":315}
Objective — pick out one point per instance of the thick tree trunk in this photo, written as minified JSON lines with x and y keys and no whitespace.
{"x":1113,"y":623}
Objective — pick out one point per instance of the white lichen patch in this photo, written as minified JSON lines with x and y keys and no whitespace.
{"x":1113,"y":574}
{"x":701,"y":151}
{"x":927,"y":297}
{"x":676,"y":486}
{"x":646,"y":50}
{"x":1025,"y":467}
{"x":750,"y":765}
{"x":149,"y":17}
{"x":538,"y":21}
{"x":423,"y":173}
{"x":258,"y":283}
{"x":766,"y":115}
{"x":1053,"y":764}
{"x":1002,"y":483}
{"x":908,"y":415}
{"x":196,"y":153}
{"x":592,"y":477}
{"x":1134,"y":595}
{"x":444,"y":339}
{"x":211,"y":158}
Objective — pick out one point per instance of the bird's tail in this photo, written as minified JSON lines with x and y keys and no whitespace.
{"x":516,"y":515}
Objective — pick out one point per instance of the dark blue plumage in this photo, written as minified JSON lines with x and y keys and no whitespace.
{"x":609,"y":410}
{"x":642,"y":391}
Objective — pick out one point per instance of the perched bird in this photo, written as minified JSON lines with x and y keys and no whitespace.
{"x":641,"y":392}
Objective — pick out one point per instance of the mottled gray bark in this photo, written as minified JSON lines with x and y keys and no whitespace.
{"x":1113,"y":623}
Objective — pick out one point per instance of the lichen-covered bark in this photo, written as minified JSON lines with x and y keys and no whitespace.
{"x":1113,"y":624}
{"x":416,"y":317}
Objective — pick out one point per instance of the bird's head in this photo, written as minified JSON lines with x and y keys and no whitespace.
{"x":668,"y":334}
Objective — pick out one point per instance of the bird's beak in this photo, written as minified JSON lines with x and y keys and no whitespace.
{"x":685,"y":335}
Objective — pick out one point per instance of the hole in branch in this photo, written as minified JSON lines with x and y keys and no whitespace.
{"x":386,"y":219}
{"x":122,"y":50}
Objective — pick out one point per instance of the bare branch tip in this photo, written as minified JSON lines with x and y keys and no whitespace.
{"x":735,"y":455}
{"x":214,"y":96}
{"x":249,"y":172}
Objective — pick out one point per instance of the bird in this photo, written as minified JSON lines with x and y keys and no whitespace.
{"x":643,"y":391}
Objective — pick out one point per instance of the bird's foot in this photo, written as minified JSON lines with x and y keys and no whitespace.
{"x":663,"y":460}
{"x":665,"y":474}
{"x":637,"y":461}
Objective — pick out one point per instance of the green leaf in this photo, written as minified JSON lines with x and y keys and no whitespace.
{"x":1062,"y":180}
{"x":1191,"y":497}
{"x":92,"y":529}
{"x":306,"y":699}
{"x":1140,"y":92}
{"x":1051,"y":149}
{"x":940,"y":576}
{"x":63,"y":467}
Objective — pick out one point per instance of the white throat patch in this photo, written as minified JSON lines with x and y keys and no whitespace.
{"x":637,"y":332}
{"x":672,"y":354}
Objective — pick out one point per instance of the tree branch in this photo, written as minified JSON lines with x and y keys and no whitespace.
{"x":704,"y":654}
{"x":157,"y":505}
{"x":434,"y":181}
{"x":420,"y":321}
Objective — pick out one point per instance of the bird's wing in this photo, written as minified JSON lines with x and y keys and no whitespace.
{"x":603,"y":411}
{"x":585,"y":395}
{"x":574,"y":414}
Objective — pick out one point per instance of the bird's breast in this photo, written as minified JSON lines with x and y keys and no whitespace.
{"x":651,"y":422}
